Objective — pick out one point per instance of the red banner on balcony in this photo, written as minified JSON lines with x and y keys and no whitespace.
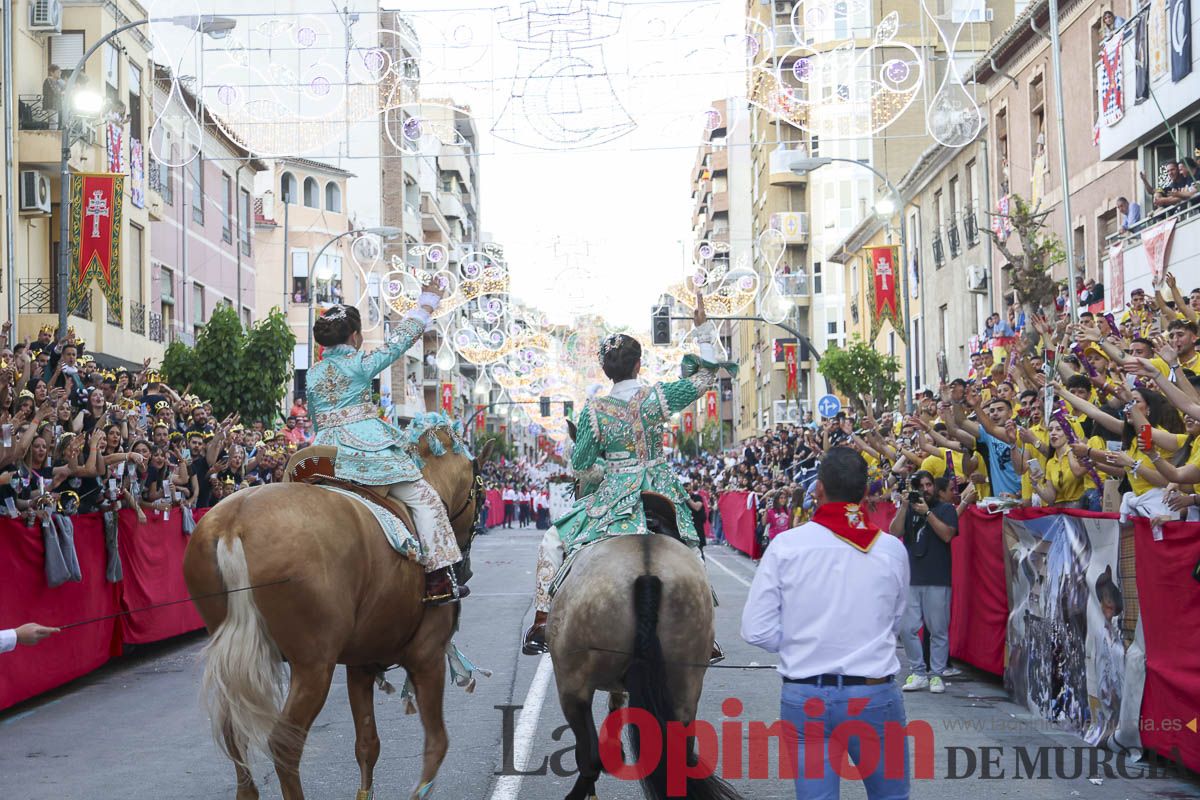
{"x":689,"y":422}
{"x":95,"y":231}
{"x":793,"y":368}
{"x":710,"y":404}
{"x":448,"y":398}
{"x":480,"y":418}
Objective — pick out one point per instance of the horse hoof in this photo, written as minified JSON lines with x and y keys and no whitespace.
{"x":423,"y":791}
{"x":365,"y":794}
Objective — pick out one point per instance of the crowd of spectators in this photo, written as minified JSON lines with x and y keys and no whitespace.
{"x":78,"y":438}
{"x":1103,"y":413}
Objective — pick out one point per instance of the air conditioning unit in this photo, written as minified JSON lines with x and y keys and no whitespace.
{"x":35,"y":192}
{"x":977,"y":278}
{"x":45,"y":16}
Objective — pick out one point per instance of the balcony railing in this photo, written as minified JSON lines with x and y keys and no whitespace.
{"x":970,"y":227}
{"x":113,"y":315}
{"x":84,"y":308}
{"x":795,"y":285}
{"x":952,"y":239}
{"x":155,"y":329}
{"x":939,"y":255}
{"x":38,"y":296}
{"x":34,"y":116}
{"x":429,"y":373}
{"x":137,"y":318}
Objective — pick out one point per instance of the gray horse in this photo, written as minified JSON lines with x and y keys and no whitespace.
{"x":634,"y":618}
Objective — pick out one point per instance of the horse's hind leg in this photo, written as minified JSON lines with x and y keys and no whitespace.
{"x":429,"y":681}
{"x":577,"y":708}
{"x":246,"y":790}
{"x":360,"y":686}
{"x":306,"y":695}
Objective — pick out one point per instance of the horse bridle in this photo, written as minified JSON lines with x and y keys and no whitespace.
{"x":472,"y":496}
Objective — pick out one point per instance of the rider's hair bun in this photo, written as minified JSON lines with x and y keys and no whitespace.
{"x":337,"y":325}
{"x":619,"y":354}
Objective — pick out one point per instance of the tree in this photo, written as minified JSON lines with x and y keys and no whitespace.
{"x":860,"y":370}
{"x":501,"y":448}
{"x":1040,"y":252}
{"x":242,"y":371}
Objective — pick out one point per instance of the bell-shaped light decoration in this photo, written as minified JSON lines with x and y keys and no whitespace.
{"x":445,"y":358}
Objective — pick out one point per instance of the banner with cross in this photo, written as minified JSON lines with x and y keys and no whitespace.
{"x":95,"y":225}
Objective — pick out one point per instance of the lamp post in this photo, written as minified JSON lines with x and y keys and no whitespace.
{"x":386,"y":231}
{"x":885,"y":207}
{"x":90,"y":104}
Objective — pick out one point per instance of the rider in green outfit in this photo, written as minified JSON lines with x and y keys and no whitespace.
{"x":621,"y":434}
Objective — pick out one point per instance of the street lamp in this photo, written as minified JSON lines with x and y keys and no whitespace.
{"x":89,"y":103}
{"x":386,"y":231}
{"x":885,"y":207}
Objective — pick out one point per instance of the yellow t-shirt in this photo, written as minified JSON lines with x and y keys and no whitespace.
{"x":936,"y":465}
{"x":1136,"y":482}
{"x":1068,"y":486}
{"x":1043,"y":436}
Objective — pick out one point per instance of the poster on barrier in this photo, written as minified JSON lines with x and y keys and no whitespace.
{"x":1066,"y":647}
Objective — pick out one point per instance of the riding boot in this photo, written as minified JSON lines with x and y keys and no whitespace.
{"x":718,"y":655}
{"x":535,"y":638}
{"x":441,"y":587}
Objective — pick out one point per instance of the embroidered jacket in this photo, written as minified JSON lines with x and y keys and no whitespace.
{"x":371,"y":450}
{"x":623,"y":432}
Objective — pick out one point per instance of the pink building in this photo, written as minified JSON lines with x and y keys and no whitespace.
{"x":211,"y":198}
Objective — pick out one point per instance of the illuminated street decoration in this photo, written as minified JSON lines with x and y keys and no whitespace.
{"x":953,"y":117}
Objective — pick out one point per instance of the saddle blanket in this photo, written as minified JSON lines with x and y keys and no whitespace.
{"x":397,"y":533}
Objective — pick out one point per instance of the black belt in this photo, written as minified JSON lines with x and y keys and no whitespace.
{"x":840,"y":680}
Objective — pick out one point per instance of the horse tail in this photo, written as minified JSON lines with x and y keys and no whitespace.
{"x":243,"y":678}
{"x":646,"y":683}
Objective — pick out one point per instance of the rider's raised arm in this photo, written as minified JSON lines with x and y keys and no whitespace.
{"x":587,"y":442}
{"x":700,"y":373}
{"x":403,"y":337}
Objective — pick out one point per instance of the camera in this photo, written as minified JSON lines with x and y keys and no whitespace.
{"x":914,"y":496}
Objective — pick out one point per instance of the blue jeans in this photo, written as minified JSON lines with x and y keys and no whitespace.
{"x":834,"y":732}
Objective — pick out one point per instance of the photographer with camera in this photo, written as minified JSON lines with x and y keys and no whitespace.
{"x":927,"y":520}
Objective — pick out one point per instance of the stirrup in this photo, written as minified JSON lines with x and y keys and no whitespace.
{"x":718,"y":655}
{"x":534,"y":643}
{"x":455,"y":593}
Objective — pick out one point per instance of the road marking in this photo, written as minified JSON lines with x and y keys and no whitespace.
{"x":732,"y":574}
{"x":509,"y":786}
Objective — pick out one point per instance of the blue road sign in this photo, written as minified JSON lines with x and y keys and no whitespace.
{"x":829,"y":406}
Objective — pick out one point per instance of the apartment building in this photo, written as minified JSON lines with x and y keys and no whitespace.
{"x":112,"y":137}
{"x":202,"y":223}
{"x":1023,"y":140}
{"x":1156,"y":119}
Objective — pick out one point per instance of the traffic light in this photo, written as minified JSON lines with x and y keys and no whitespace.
{"x":568,"y":409}
{"x":544,"y":402}
{"x":660,"y":325}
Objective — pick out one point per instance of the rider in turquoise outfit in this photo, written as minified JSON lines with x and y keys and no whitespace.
{"x":370,"y":450}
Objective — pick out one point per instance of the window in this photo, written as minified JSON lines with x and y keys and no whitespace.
{"x":333,"y":198}
{"x":954,"y":198}
{"x":288,"y":189}
{"x":1037,"y":121}
{"x":135,"y":102}
{"x":815,"y":145}
{"x":198,"y":303}
{"x":328,"y":279}
{"x":1002,"y":152}
{"x":137,"y":237}
{"x":166,"y":290}
{"x":944,"y":317}
{"x":816,"y":277}
{"x":245,"y":221}
{"x":227,"y":200}
{"x":112,"y":72}
{"x":65,"y":50}
{"x":939,"y":255}
{"x":312,"y":193}
{"x":299,"y":276}
{"x":196,"y":167}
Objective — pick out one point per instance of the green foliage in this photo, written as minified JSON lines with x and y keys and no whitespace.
{"x":246,"y":372}
{"x":860,"y":370}
{"x":501,"y":447}
{"x":1033,"y":266}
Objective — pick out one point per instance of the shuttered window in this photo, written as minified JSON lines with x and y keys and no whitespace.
{"x":66,"y":49}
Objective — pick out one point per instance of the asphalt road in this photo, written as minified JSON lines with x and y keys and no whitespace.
{"x":134,"y":730}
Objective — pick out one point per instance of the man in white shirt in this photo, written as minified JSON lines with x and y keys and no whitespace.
{"x":510,"y":505}
{"x":829,"y":597}
{"x":28,"y":634}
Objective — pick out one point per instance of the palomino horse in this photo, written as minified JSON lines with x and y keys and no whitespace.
{"x":634,"y":617}
{"x":332,"y":591}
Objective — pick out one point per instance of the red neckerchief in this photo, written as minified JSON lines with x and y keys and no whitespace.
{"x":848,"y":521}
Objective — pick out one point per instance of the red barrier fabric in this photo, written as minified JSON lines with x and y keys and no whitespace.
{"x":1170,"y":605}
{"x":152,"y":557}
{"x":880,"y":514}
{"x":979,"y":594}
{"x":738,"y":523}
{"x":25,"y":597}
{"x":495,"y":508}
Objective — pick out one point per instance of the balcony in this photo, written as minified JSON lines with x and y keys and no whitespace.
{"x":432,"y":218}
{"x":720,"y":203}
{"x":794,"y":285}
{"x":720,"y":160}
{"x":793,"y":225}
{"x":452,"y":159}
{"x":1135,"y":121}
{"x":970,"y":226}
{"x":40,"y":138}
{"x":952,"y":239}
{"x":137,"y":318}
{"x":155,"y":328}
{"x":780,"y":174}
{"x":451,"y":205}
{"x":1181,"y":255}
{"x":939,"y":255}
